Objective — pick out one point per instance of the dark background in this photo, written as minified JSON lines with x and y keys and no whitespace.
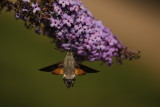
{"x":133,"y":84}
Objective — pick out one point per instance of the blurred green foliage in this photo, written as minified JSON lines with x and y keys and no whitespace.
{"x":22,"y":85}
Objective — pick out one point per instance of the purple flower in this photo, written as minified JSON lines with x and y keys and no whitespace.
{"x":35,"y":8}
{"x":101,"y":47}
{"x":88,"y":21}
{"x":74,"y":8}
{"x":38,"y":31}
{"x":89,"y":41}
{"x":24,"y":10}
{"x":87,"y":29}
{"x":70,"y":36}
{"x":79,"y":28}
{"x":63,"y":2}
{"x":80,"y":19}
{"x":82,"y":7}
{"x":17,"y":15}
{"x":54,"y":22}
{"x":66,"y":46}
{"x":72,"y":2}
{"x":57,"y":9}
{"x":26,"y":1}
{"x":67,"y":20}
{"x":60,"y":35}
{"x":111,"y":40}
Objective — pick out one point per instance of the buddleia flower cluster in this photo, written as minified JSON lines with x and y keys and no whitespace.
{"x":72,"y":27}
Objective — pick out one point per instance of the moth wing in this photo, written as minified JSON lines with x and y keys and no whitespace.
{"x":87,"y":69}
{"x":51,"y":67}
{"x":79,"y":71}
{"x":58,"y":71}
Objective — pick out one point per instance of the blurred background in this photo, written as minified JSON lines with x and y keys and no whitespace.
{"x":133,"y":84}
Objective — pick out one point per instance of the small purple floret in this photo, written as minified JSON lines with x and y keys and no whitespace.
{"x":26,"y":1}
{"x":35,"y":8}
{"x":63,"y":2}
{"x":54,"y":22}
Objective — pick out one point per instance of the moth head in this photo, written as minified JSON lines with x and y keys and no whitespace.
{"x":69,"y":81}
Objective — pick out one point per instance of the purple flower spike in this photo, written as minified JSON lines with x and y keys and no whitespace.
{"x":73,"y":28}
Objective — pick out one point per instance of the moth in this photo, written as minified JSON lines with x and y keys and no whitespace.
{"x":69,"y":68}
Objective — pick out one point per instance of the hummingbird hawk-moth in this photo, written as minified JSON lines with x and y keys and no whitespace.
{"x":69,"y":68}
